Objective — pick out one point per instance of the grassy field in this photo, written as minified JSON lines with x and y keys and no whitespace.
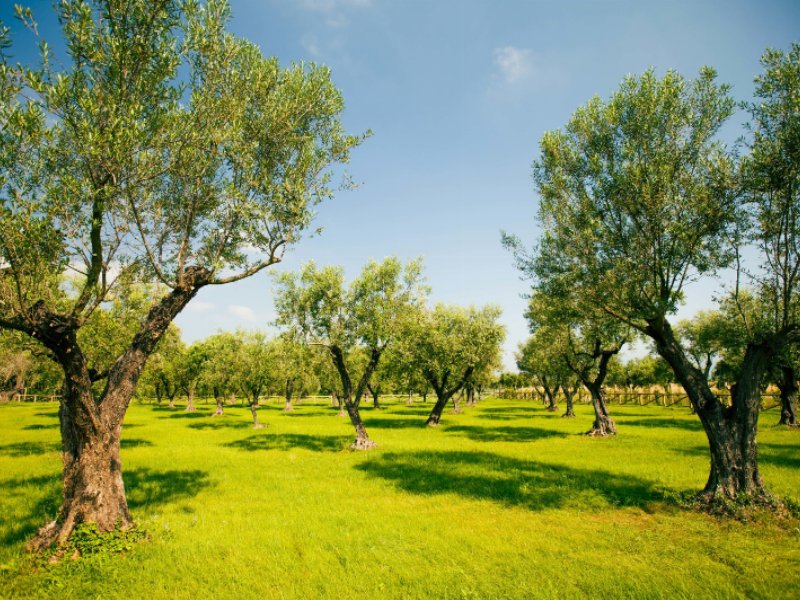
{"x":503,"y":501}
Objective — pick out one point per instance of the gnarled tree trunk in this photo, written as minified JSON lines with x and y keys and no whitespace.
{"x":731,"y":430}
{"x":603,"y":423}
{"x":254,"y":412}
{"x":93,"y":488}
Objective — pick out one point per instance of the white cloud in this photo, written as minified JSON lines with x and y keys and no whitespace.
{"x":243,"y":312}
{"x":200,"y":306}
{"x":311,"y":45}
{"x":514,"y":64}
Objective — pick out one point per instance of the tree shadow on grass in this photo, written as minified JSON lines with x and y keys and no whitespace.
{"x":221,"y":423}
{"x":779,"y":455}
{"x":290,"y":441}
{"x":19,"y":449}
{"x":660,"y":422}
{"x":394,"y":422}
{"x":509,"y":481}
{"x":145,"y":488}
{"x":503,"y":434}
{"x":135,"y":443}
{"x":39,"y":427}
{"x":187,"y":415}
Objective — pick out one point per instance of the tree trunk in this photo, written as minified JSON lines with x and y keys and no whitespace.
{"x":568,"y":396}
{"x":220,"y":409}
{"x":254,"y":412}
{"x":376,"y":392}
{"x":341,"y":412}
{"x":789,"y":391}
{"x":603,"y":423}
{"x":363,"y":441}
{"x":289,"y":389}
{"x":436,"y":411}
{"x":410,"y":399}
{"x":93,"y":490}
{"x":172,"y":401}
{"x":190,"y":407}
{"x":731,"y":430}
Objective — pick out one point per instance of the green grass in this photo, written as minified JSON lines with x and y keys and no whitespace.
{"x":503,"y":501}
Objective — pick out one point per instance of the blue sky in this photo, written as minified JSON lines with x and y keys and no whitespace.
{"x":457,"y":94}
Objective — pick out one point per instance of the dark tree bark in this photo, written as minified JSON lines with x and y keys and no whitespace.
{"x":289,"y":389}
{"x":787,"y":384}
{"x":443,"y":393}
{"x":603,"y":424}
{"x":351,"y":398}
{"x":375,"y":390}
{"x":731,"y":430}
{"x":93,"y":489}
{"x":569,"y":397}
{"x":549,"y":394}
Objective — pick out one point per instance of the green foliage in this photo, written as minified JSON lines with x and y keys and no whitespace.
{"x":88,"y":541}
{"x":635,"y":197}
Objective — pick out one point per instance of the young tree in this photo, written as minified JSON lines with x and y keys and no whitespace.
{"x":161,"y":151}
{"x":450,"y":343}
{"x":637,"y":200}
{"x":254,"y":368}
{"x":220,"y":368}
{"x":293,"y":367}
{"x":363,"y":319}
{"x":190,"y":371}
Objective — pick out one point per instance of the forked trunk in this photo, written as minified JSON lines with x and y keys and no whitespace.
{"x":731,"y":430}
{"x":93,"y":489}
{"x":789,"y":390}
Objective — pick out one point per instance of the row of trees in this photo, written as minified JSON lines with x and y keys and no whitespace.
{"x":638,"y":199}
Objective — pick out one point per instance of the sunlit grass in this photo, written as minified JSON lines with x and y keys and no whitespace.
{"x":503,"y":501}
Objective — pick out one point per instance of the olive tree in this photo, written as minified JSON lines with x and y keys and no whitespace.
{"x":162,"y":149}
{"x":450,"y":343}
{"x":637,"y":200}
{"x":361,"y":320}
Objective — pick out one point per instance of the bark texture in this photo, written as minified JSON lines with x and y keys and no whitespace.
{"x":789,"y":391}
{"x":731,"y":430}
{"x":93,"y":487}
{"x":443,"y":392}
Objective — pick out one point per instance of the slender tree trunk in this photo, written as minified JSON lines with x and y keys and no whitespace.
{"x":568,"y":396}
{"x":457,"y":404}
{"x":289,"y":389}
{"x":254,"y":412}
{"x":172,"y":400}
{"x":341,"y":412}
{"x":789,"y":391}
{"x":410,"y":399}
{"x":376,"y":392}
{"x":190,"y":407}
{"x":731,"y":430}
{"x":438,"y":408}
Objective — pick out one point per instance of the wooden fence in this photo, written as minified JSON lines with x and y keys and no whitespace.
{"x":636,"y":397}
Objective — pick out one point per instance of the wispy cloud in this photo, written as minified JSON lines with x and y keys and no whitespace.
{"x":310,"y":44}
{"x":518,"y":71}
{"x":513,"y":64}
{"x":243,"y":312}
